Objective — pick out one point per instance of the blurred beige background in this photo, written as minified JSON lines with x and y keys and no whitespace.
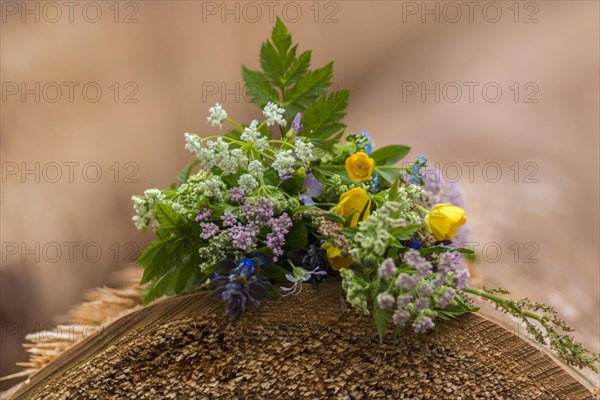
{"x":178,"y":58}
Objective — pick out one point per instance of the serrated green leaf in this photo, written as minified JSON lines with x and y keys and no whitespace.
{"x":307,"y":89}
{"x":259,"y":88}
{"x":390,"y":155}
{"x":185,"y":173}
{"x":297,"y":68}
{"x":168,"y":218}
{"x":323,"y":117}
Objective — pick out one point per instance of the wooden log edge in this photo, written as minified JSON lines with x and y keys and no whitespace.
{"x":511,"y":359}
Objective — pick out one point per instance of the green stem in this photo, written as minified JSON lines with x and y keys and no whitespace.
{"x":232,"y":122}
{"x":500,"y":300}
{"x":423,"y":209}
{"x":282,"y":142}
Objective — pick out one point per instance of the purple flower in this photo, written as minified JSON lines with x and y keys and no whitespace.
{"x":296,"y":127}
{"x":260,"y":211}
{"x":412,"y":258}
{"x":461,"y":278}
{"x":424,"y":268}
{"x":236,"y":194}
{"x":208,"y":230}
{"x":406,"y":281}
{"x":203,"y":214}
{"x":420,"y":305}
{"x":385,"y":301}
{"x":387,"y":269}
{"x":446,"y":298}
{"x":280,"y":226}
{"x":400,"y":317}
{"x":403,"y":300}
{"x":243,"y":236}
{"x":424,"y":289}
{"x":423,"y":325}
{"x":312,"y":188}
{"x":228,"y":219}
{"x":450,"y":261}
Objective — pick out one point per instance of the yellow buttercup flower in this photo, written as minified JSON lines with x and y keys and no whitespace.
{"x":444,"y":220}
{"x":353,"y":202}
{"x":360,"y":167}
{"x":335,"y":257}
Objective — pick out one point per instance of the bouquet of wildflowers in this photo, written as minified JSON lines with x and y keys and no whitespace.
{"x":293,"y":198}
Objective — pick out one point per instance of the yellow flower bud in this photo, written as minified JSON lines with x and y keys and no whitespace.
{"x":353,"y":202}
{"x":360,"y":167}
{"x":444,"y":220}
{"x":335,"y":257}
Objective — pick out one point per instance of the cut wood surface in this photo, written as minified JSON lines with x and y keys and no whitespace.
{"x":305,"y":346}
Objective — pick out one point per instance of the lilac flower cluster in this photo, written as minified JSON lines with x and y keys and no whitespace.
{"x":256,"y":215}
{"x":280,"y":226}
{"x":419,"y":286}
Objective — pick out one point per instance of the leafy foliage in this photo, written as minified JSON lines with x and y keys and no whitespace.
{"x":286,"y":79}
{"x":171,"y":261}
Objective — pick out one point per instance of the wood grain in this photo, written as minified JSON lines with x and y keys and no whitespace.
{"x":307,"y":346}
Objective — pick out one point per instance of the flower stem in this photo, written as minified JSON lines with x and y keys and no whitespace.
{"x":500,"y":300}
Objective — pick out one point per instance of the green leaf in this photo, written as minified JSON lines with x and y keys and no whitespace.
{"x":185,"y":174}
{"x":307,"y":89}
{"x":168,"y":218}
{"x":297,"y":68}
{"x":297,"y":237}
{"x":406,"y":232}
{"x":293,"y":185}
{"x":390,"y":155}
{"x":323,"y":117}
{"x":258,"y":88}
{"x":388,"y":173}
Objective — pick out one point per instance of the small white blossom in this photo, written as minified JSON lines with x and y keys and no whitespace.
{"x":256,"y":168}
{"x":304,"y":151}
{"x":251,"y":135}
{"x":145,"y":208}
{"x":247,"y":183}
{"x":284,"y":162}
{"x":212,"y":187}
{"x":274,"y":114}
{"x":233,"y":161}
{"x":217,"y":115}
{"x":193,"y":144}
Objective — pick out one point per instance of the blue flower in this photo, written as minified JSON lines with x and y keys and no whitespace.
{"x":312,"y":189}
{"x":421,"y":160}
{"x":368,"y":144}
{"x":375,"y":184}
{"x":414,"y":243}
{"x":261,"y":258}
{"x":296,"y":126}
{"x":247,"y":266}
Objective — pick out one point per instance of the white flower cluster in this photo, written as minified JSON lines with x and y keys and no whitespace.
{"x":247,"y":183}
{"x":304,"y":151}
{"x":216,"y":153}
{"x":274,"y":114}
{"x":212,"y":187}
{"x":256,"y":169}
{"x":217,"y":115}
{"x":193,"y":144}
{"x":145,"y":208}
{"x":284,"y":162}
{"x":251,"y":135}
